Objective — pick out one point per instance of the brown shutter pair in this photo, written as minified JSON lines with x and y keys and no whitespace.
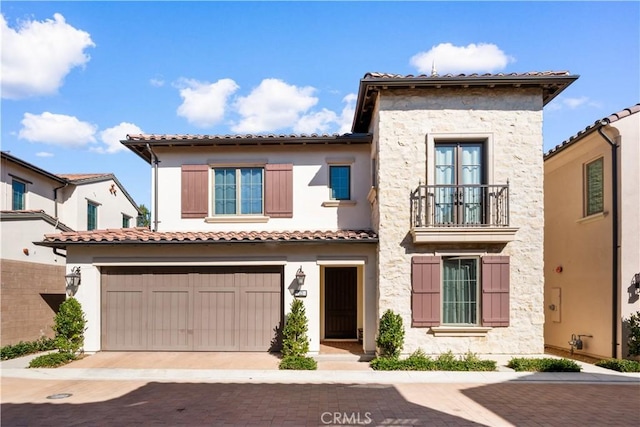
{"x":425,"y":291}
{"x":278,"y":191}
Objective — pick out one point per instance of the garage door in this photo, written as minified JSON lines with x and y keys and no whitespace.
{"x":191,"y":308}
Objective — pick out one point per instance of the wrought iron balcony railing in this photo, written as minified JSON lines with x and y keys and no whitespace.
{"x":460,"y":206}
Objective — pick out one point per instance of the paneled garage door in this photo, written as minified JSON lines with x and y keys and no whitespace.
{"x":191,"y":308}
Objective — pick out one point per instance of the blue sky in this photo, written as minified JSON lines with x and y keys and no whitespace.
{"x":78,"y":76}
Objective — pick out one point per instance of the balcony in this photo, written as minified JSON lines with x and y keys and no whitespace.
{"x":461,"y":214}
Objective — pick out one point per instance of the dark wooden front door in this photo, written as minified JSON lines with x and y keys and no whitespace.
{"x":340,"y":302}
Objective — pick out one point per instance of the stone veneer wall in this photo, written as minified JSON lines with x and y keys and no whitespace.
{"x":514,"y":118}
{"x":26,"y":316}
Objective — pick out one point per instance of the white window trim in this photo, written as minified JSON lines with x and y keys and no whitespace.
{"x":478,"y":322}
{"x":486,"y":138}
{"x":238,"y":217}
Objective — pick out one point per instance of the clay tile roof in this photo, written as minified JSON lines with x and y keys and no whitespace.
{"x":83,"y":176}
{"x":144,"y":235}
{"x":611,"y":118}
{"x":473,"y":75}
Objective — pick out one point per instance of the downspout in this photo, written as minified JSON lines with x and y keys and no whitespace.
{"x":614,"y":237}
{"x":155,"y":188}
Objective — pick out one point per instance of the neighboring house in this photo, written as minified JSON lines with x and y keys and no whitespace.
{"x":36,"y":202}
{"x":592,"y":200}
{"x":432,"y":207}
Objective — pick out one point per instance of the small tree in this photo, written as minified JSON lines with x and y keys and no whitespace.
{"x":390,"y":334}
{"x":634,"y":334}
{"x":69,"y":326}
{"x":295,"y":341}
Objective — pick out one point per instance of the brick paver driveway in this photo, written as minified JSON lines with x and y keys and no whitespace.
{"x":124,"y":403}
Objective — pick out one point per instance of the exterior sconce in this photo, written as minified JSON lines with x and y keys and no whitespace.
{"x":72,"y":281}
{"x":300,"y":276}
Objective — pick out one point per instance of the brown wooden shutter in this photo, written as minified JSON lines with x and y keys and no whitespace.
{"x":195,"y":191}
{"x":425,"y":291}
{"x":495,"y":291}
{"x":278,"y":190}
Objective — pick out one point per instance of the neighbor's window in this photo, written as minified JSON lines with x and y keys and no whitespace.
{"x":340,"y":182}
{"x":92,"y":216}
{"x":460,"y":290}
{"x":238,"y":191}
{"x":594,"y":187}
{"x":126,"y":221}
{"x":19,"y":189}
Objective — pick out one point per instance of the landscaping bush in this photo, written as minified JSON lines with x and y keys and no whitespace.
{"x":52,"y":360}
{"x":301,"y":363}
{"x":24,"y":348}
{"x":634,"y":334}
{"x":418,"y":361}
{"x":521,"y":364}
{"x":69,"y":327}
{"x":390,"y":334}
{"x":620,"y":365}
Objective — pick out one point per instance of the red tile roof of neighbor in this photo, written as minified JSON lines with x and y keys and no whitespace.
{"x":83,"y":176}
{"x":144,"y":235}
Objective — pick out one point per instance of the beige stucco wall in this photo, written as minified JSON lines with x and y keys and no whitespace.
{"x":311,"y":257}
{"x":583,"y":246}
{"x":512,"y":121}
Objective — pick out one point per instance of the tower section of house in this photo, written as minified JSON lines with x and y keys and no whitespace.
{"x":35,"y":202}
{"x":458,"y":206}
{"x":240,"y":226}
{"x":592,"y":198}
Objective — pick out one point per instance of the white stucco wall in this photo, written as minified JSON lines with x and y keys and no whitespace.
{"x":512,"y":120}
{"x":39,"y":195}
{"x":310,"y":186}
{"x":16,"y":236}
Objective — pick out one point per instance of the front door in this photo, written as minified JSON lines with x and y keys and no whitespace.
{"x":340,"y":302}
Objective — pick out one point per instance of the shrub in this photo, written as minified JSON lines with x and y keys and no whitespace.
{"x":543,"y":365}
{"x":69,"y":326}
{"x":24,"y":348}
{"x":620,"y":365}
{"x":51,"y":360}
{"x":390,"y":334}
{"x":295,"y":341}
{"x":634,"y":334}
{"x":301,"y":363}
{"x":418,"y":361}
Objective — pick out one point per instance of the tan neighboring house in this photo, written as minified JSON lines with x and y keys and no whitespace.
{"x":592,"y":236}
{"x":36,"y":202}
{"x":431,"y":207}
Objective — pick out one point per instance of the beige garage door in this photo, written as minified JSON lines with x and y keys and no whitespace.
{"x":191,"y":308}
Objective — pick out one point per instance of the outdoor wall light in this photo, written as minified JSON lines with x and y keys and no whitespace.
{"x":72,"y":281}
{"x":300,"y":276}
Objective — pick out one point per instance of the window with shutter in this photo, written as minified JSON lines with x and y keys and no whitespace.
{"x":425,"y":291}
{"x":495,"y":291}
{"x":195,"y":191}
{"x":278,"y":191}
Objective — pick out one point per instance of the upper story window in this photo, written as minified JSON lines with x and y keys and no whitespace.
{"x":238,"y":191}
{"x":92,"y":216}
{"x":340,"y":182}
{"x":19,"y":189}
{"x":594,"y":187}
{"x":126,"y":221}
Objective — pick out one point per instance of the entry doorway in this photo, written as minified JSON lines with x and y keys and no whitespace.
{"x":341,"y":303}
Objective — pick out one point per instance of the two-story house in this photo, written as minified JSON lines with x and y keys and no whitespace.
{"x":36,"y":202}
{"x":592,"y":236}
{"x":431,"y":207}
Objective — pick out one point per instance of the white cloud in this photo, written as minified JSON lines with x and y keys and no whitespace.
{"x":318,"y":122}
{"x":204,"y":103}
{"x":38,"y":55}
{"x":44,"y":154}
{"x":349,"y":110}
{"x":111,"y":137}
{"x":572,"y":103}
{"x":474,"y":58}
{"x":274,"y":105}
{"x":156,"y":82}
{"x":56,"y":129}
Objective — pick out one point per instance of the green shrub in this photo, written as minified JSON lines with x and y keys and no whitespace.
{"x":390,"y":334}
{"x":70,"y":326}
{"x":294,"y":334}
{"x":51,"y":360}
{"x":24,"y":348}
{"x":418,"y":361}
{"x":521,"y":364}
{"x":634,"y":334}
{"x":300,"y":363}
{"x":620,"y":365}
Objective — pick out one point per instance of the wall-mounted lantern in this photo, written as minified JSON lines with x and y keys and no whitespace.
{"x":300,"y":276}
{"x":72,"y":281}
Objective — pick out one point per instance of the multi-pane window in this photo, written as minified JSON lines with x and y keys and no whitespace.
{"x":92,"y":216}
{"x":340,"y":182}
{"x":458,"y":177}
{"x":460,"y":290}
{"x":238,"y":191}
{"x":594,"y":187}
{"x":19,"y":189}
{"x":126,"y":221}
